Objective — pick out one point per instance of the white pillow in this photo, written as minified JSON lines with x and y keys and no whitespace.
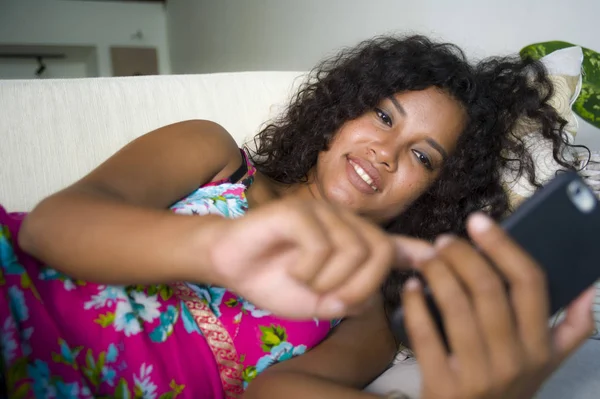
{"x":564,"y":68}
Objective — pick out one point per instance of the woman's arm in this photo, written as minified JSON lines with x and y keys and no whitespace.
{"x":357,"y":351}
{"x":113,"y":225}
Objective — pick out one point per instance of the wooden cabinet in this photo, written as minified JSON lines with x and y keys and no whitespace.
{"x":134,"y":61}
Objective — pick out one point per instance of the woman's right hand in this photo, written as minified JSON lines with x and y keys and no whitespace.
{"x":501,"y":344}
{"x":306,"y":259}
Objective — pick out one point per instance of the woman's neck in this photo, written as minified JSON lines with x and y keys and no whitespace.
{"x":265,"y":190}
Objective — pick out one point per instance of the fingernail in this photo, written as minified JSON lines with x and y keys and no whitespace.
{"x":590,"y":296}
{"x":443,"y":240}
{"x":420,"y":263}
{"x":423,"y":257}
{"x":480,"y":222}
{"x":412,"y":284}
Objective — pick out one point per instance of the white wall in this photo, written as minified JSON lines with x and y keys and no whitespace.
{"x":227,"y":35}
{"x":230,"y":35}
{"x":90,"y":23}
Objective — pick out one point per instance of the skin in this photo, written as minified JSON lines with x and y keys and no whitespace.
{"x":404,"y":139}
{"x":315,"y":248}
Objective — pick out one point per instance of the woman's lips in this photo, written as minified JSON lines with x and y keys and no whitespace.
{"x":363,"y":175}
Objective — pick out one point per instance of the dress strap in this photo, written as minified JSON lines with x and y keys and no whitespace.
{"x":218,"y":338}
{"x":245,"y":168}
{"x":244,"y":174}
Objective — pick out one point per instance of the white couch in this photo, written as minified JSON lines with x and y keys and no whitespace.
{"x":52,"y":132}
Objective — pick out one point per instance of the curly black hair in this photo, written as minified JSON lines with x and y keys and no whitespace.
{"x":496,"y":93}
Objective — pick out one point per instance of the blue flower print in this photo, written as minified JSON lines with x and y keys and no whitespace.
{"x":108,"y":375}
{"x":167,"y":320}
{"x":189,"y":323}
{"x":66,"y":391}
{"x":85,"y":392}
{"x":17,"y":304}
{"x":146,"y":307}
{"x":245,"y":308}
{"x":225,"y":199}
{"x":107,"y":296}
{"x":25,"y":337}
{"x":112,"y":353}
{"x":8,"y":259}
{"x":229,"y":206}
{"x":8,"y":340}
{"x":67,"y":355}
{"x":40,"y":374}
{"x":253,"y":310}
{"x":126,"y":320}
{"x":66,"y":352}
{"x":279,"y":353}
{"x":49,"y":274}
{"x":144,"y":387}
{"x":122,"y":366}
{"x":72,"y":390}
{"x":335,"y":322}
{"x":213,"y":296}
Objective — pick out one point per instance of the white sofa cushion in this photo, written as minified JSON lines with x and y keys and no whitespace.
{"x":53,"y":132}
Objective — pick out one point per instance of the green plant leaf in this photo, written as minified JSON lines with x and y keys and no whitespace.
{"x":249,"y":373}
{"x":4,"y":232}
{"x":17,"y":371}
{"x":166,"y":292}
{"x":90,"y":369}
{"x":25,"y":281}
{"x":272,"y":336}
{"x":22,"y":392}
{"x":539,"y":50}
{"x":137,"y":392}
{"x":177,"y":389}
{"x":56,"y":358}
{"x":231,"y":302}
{"x":100,"y":363}
{"x":105,"y":319}
{"x":122,"y":390}
{"x":587,"y":105}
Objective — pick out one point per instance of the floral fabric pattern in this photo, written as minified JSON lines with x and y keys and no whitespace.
{"x":66,"y":338}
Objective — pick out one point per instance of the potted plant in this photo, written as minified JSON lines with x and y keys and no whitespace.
{"x":587,"y":105}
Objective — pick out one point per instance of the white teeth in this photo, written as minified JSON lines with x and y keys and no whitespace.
{"x":363,"y":175}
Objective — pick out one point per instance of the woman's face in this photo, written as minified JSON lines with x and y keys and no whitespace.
{"x":381,"y":162}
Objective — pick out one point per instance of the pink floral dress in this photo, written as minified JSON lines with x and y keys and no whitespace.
{"x":65,"y":338}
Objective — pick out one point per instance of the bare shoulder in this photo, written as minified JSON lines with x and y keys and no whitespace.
{"x":356,"y":352}
{"x":205,"y":139}
{"x":166,"y":164}
{"x":209,"y":141}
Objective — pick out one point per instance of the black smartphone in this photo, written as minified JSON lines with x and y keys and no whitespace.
{"x":559,"y":226}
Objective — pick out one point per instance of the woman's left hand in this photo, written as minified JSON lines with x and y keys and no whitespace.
{"x":502,"y":344}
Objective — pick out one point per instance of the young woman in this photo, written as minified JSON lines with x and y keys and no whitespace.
{"x":143,"y":280}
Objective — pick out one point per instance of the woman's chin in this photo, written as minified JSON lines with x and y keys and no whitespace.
{"x":344,"y":199}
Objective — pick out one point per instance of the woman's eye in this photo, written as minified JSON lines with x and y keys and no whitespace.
{"x":424,"y":159}
{"x":385,"y":118}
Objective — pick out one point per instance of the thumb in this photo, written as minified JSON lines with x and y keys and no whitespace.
{"x":410,"y":251}
{"x":577,"y":325}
